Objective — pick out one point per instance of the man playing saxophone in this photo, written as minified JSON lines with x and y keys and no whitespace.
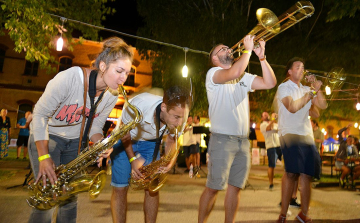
{"x":161,"y":115}
{"x":227,"y":90}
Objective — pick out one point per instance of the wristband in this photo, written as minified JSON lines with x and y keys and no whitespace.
{"x":132,"y":159}
{"x":41,"y":158}
{"x":262,"y":59}
{"x":248,"y":52}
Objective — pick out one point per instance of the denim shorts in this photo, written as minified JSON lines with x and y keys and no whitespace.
{"x":273,"y":155}
{"x":121,"y":167}
{"x":300,"y":155}
{"x":229,"y":161}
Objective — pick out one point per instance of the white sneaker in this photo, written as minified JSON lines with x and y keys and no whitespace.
{"x":191,"y":171}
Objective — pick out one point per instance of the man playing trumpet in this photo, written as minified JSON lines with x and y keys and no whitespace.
{"x":302,"y":160}
{"x":227,"y":86}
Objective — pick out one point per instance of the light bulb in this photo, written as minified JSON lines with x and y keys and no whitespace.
{"x":358,"y":106}
{"x":327,"y":90}
{"x":185,"y":71}
{"x":254,"y":125}
{"x":322,"y":130}
{"x":59,"y":44}
{"x":356,"y":125}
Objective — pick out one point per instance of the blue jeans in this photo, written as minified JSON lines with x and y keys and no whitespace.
{"x":121,"y":168}
{"x":62,"y":151}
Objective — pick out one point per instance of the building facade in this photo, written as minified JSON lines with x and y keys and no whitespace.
{"x":22,"y":82}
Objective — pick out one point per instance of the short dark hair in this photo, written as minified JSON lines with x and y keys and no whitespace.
{"x":315,"y":122}
{"x":198,"y":117}
{"x":175,"y":96}
{"x":291,"y":62}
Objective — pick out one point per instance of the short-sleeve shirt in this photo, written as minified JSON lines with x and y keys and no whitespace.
{"x":229,"y":110}
{"x":318,"y":135}
{"x":23,"y":132}
{"x":189,"y":138}
{"x":293,"y":123}
{"x":272,"y":136}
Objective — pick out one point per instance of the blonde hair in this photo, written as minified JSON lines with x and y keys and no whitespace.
{"x":114,"y":48}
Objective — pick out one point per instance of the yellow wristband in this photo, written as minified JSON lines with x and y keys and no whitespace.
{"x":248,"y":52}
{"x":132,"y":159}
{"x":41,"y":158}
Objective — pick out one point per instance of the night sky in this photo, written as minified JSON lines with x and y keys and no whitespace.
{"x":126,"y":19}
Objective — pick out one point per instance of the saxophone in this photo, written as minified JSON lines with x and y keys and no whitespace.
{"x":71,"y":179}
{"x":153,"y":179}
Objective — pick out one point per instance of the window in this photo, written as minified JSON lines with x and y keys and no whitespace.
{"x":65,"y":63}
{"x":22,"y":109}
{"x":31,"y":69}
{"x":2,"y":59}
{"x":130,"y":81}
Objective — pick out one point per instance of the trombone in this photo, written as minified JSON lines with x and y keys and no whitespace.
{"x":270,"y":25}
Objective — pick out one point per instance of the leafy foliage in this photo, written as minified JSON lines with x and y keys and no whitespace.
{"x":200,"y":25}
{"x":32,"y":28}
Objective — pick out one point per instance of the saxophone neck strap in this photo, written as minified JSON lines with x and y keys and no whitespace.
{"x":158,"y":138}
{"x":92,"y":94}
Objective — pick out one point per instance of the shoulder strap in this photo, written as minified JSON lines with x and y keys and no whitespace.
{"x":84,"y":107}
{"x":158,"y":138}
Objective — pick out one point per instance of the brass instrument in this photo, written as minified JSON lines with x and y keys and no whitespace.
{"x":70,"y":179}
{"x":270,"y":25}
{"x":153,"y":179}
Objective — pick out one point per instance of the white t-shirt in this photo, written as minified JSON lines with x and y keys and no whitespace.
{"x":229,"y":110}
{"x":272,"y":136}
{"x":189,"y":137}
{"x":146,"y":129}
{"x":294,"y":123}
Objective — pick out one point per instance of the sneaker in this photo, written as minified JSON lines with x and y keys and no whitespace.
{"x":191,"y":171}
{"x":282,"y":219}
{"x":294,"y":203}
{"x":342,"y":183}
{"x":302,"y":218}
{"x":271,"y":186}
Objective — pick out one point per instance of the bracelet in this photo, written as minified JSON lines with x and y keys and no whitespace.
{"x":41,"y":158}
{"x":132,"y":159}
{"x":262,"y":59}
{"x":246,"y":51}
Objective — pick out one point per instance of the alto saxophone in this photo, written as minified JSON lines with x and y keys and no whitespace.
{"x":70,"y":179}
{"x":153,"y":179}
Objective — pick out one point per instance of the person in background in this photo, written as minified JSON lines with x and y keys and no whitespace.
{"x":318,"y":135}
{"x":5,"y":132}
{"x":23,"y":137}
{"x":347,"y":151}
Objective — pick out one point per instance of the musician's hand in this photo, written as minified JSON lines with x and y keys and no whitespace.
{"x":103,"y":155}
{"x":249,"y":42}
{"x":165,"y":169}
{"x":260,"y":51}
{"x":135,"y":166}
{"x":46,"y":170}
{"x":316,"y":85}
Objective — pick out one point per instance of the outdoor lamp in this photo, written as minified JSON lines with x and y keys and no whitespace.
{"x":358,"y":106}
{"x":59,"y":43}
{"x":327,"y":90}
{"x":356,"y":125}
{"x":185,"y":69}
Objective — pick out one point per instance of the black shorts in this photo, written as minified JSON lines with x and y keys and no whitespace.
{"x":192,"y":149}
{"x":300,"y":155}
{"x":22,"y":140}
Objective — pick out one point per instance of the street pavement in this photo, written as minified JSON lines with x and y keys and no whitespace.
{"x":179,"y":200}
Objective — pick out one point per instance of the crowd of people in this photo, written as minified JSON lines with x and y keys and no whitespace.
{"x":56,"y":137}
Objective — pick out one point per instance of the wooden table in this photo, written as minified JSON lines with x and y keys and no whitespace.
{"x":332,"y":162}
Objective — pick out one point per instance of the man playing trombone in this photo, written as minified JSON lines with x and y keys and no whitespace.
{"x":227,"y":86}
{"x":295,"y":103}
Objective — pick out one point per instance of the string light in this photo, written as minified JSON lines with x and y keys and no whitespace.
{"x":358,"y":106}
{"x":327,"y":90}
{"x":185,"y":69}
{"x":356,"y":125}
{"x":60,"y":41}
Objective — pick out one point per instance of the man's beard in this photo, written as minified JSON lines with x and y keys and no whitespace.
{"x":227,"y":59}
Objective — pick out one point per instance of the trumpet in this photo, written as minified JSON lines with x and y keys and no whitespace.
{"x":270,"y":25}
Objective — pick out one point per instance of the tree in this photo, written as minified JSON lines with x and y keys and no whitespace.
{"x":31,"y":26}
{"x":199,"y":24}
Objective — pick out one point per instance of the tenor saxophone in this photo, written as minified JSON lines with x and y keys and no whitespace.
{"x":153,"y":179}
{"x":71,"y":179}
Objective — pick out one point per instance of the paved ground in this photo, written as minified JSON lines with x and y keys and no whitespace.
{"x":179,"y":200}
